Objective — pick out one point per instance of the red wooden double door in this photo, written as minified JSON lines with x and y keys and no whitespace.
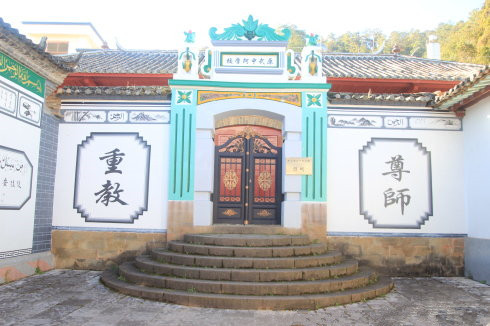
{"x":247,"y":184}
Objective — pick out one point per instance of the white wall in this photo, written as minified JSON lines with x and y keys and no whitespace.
{"x":71,"y":136}
{"x":16,"y":225}
{"x":343,"y":197}
{"x":477,"y":173}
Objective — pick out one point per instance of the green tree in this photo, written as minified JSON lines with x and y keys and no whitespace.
{"x":297,"y":40}
{"x":467,"y":41}
{"x":411,"y":43}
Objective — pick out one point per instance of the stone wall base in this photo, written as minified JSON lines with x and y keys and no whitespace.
{"x":15,"y":268}
{"x":97,"y":250}
{"x":181,"y":221}
{"x":477,"y":259}
{"x":404,"y":256}
{"x":314,"y":220}
{"x":180,"y":218}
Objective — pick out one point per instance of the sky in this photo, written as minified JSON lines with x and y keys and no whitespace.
{"x":151,"y":24}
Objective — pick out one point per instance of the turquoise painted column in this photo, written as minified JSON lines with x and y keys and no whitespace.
{"x":314,"y":142}
{"x":182,"y":144}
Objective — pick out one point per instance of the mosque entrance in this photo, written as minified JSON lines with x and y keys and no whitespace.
{"x":247,"y":184}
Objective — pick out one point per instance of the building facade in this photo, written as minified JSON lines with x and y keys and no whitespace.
{"x":354,"y":150}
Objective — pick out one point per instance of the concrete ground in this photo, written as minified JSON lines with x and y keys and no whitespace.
{"x":68,"y":297}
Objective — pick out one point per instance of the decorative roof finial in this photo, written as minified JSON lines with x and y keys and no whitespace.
{"x":396,"y":49}
{"x":190,"y":37}
{"x":250,"y":29}
{"x":312,"y":39}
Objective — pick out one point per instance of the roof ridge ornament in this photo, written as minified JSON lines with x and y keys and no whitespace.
{"x":249,"y":30}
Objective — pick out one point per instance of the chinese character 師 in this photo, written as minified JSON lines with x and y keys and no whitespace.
{"x":400,"y":198}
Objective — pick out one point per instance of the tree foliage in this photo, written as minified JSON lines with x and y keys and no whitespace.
{"x":465,"y":41}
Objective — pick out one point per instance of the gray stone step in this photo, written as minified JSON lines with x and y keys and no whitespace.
{"x":226,"y":301}
{"x":284,"y":251}
{"x":130,"y":273}
{"x":145,"y":263}
{"x":252,"y":229}
{"x":165,"y":256}
{"x":247,"y":240}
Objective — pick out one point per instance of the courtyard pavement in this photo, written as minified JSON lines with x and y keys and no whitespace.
{"x":72,"y":297}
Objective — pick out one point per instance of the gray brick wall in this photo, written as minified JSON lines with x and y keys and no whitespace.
{"x":45,"y":183}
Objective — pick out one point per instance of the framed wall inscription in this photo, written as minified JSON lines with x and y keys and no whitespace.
{"x":112,"y":175}
{"x":395,"y":183}
{"x":15,"y":178}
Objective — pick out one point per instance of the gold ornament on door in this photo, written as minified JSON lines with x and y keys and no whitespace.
{"x":230,"y":180}
{"x":265,"y":180}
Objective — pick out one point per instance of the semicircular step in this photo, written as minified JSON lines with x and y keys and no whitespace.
{"x":230,"y":251}
{"x":129,"y":272}
{"x":227,"y":301}
{"x":247,"y":240}
{"x":165,"y":256}
{"x":347,"y":267}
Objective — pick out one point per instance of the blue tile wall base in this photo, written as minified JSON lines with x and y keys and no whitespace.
{"x":48,"y":147}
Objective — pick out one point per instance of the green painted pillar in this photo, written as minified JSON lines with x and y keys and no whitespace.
{"x":182,"y":144}
{"x":314,"y":139}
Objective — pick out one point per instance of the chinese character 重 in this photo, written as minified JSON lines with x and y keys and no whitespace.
{"x":113,"y":159}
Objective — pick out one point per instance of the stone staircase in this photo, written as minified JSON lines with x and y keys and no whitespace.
{"x":247,"y":271}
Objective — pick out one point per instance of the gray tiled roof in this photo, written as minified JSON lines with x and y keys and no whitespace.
{"x":8,"y":32}
{"x":465,"y":89}
{"x":334,"y":65}
{"x":127,"y":61}
{"x":390,"y":66}
{"x":416,"y":99}
{"x":119,"y":91}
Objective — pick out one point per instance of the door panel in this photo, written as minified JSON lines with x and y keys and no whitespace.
{"x":247,"y":178}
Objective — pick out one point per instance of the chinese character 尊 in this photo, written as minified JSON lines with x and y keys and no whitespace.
{"x":109,"y":195}
{"x":396,"y":166}
{"x":113,"y":159}
{"x":400,"y":198}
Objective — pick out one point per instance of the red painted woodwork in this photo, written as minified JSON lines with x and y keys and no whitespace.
{"x":99,"y":79}
{"x":339,"y":84}
{"x":223,"y":134}
{"x":388,"y":86}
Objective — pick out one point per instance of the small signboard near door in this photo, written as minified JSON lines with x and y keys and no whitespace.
{"x":299,"y":165}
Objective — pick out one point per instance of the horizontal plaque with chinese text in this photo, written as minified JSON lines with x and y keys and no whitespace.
{"x":299,"y":165}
